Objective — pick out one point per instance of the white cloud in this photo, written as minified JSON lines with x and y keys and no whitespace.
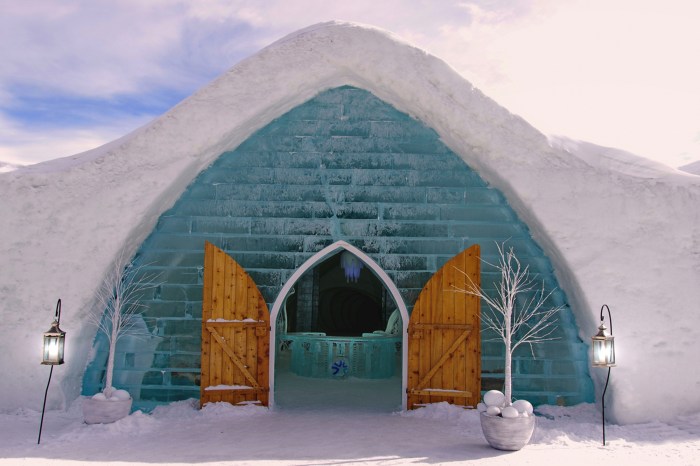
{"x":615,"y":73}
{"x":59,"y":143}
{"x":93,"y":48}
{"x":27,"y":145}
{"x":620,"y":73}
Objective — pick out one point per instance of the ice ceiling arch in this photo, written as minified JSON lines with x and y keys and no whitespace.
{"x":344,"y":166}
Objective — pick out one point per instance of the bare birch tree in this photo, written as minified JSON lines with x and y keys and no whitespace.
{"x":517,"y":312}
{"x":119,"y":310}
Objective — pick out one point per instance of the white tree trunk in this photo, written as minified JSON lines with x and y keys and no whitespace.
{"x":109,"y":370}
{"x":508,"y":380}
{"x":113,"y":337}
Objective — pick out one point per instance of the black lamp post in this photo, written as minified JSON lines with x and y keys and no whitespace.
{"x":54,"y":345}
{"x":604,"y":353}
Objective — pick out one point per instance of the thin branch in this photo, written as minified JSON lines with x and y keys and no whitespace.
{"x":119,"y":310}
{"x":517,"y":311}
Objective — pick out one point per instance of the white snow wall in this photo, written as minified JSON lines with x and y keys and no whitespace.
{"x":619,"y":229}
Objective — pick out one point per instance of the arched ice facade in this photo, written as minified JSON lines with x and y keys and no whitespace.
{"x":342,"y":166}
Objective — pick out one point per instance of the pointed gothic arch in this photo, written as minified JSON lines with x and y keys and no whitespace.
{"x":313,"y":261}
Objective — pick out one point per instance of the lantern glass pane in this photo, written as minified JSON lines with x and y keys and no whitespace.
{"x":611,"y":351}
{"x":53,"y":349}
{"x":603,"y":352}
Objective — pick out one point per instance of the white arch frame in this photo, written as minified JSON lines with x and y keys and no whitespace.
{"x":317,"y":258}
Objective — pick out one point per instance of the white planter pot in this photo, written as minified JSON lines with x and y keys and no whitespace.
{"x":105,"y":411}
{"x":507,"y":433}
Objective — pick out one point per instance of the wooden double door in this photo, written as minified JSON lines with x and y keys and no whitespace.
{"x":443,"y":352}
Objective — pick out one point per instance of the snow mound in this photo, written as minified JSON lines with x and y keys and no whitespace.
{"x":619,"y":230}
{"x":8,"y":167}
{"x":693,"y":168}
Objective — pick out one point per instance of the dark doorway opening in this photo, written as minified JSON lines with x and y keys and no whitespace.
{"x":325,"y":300}
{"x":337,"y":318}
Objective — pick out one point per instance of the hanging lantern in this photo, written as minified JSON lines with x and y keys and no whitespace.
{"x":54,"y":341}
{"x":604,"y":354}
{"x":54,"y":345}
{"x":351,"y":265}
{"x":603,"y":348}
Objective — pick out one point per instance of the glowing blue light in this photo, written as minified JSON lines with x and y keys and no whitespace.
{"x":351,"y":265}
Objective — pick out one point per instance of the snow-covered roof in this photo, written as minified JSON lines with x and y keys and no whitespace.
{"x":693,"y":168}
{"x":619,"y":229}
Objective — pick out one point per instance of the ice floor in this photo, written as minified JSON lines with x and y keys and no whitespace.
{"x":349,"y":393}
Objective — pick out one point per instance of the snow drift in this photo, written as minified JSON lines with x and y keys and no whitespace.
{"x":620,"y":230}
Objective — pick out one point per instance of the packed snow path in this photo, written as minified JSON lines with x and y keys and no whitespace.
{"x":438,"y":434}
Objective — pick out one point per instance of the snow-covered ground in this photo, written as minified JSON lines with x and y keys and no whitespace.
{"x":322,"y":425}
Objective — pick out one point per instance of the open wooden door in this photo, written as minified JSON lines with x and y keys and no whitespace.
{"x":444,"y":343}
{"x":235,"y":333}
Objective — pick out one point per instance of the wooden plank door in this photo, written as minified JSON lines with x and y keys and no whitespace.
{"x":235,"y":333}
{"x":444,"y":343}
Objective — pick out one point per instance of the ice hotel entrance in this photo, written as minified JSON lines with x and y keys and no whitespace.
{"x":341,"y":333}
{"x":344,"y":170}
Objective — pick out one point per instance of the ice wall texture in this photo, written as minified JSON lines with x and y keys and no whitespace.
{"x":343,"y":166}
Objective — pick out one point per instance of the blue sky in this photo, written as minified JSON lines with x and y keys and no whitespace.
{"x":76,"y":74}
